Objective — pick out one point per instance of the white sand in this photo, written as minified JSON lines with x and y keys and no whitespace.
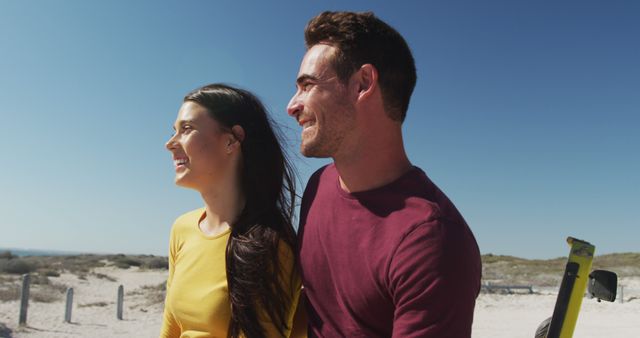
{"x":47,"y":319}
{"x":496,"y":316}
{"x":513,"y":316}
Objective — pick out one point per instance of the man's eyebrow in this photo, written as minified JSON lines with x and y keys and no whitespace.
{"x":306,"y":77}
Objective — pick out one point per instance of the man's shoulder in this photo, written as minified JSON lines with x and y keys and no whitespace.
{"x":322,"y":173}
{"x":319,"y":177}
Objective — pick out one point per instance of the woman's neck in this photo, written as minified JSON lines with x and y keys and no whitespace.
{"x":223,"y":206}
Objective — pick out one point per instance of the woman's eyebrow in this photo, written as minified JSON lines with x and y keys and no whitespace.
{"x":181,"y":123}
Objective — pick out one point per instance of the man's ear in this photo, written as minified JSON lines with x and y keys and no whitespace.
{"x":366,"y":80}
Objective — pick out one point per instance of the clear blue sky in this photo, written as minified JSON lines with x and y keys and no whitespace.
{"x":526,"y":113}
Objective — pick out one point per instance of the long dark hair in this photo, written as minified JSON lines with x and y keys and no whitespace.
{"x":255,"y":276}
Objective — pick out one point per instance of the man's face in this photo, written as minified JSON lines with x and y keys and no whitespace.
{"x":321,"y":105}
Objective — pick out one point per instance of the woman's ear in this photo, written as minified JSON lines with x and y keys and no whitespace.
{"x":235,"y":138}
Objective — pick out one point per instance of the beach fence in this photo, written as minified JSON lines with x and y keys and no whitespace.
{"x":621,"y":293}
{"x":24,"y":301}
{"x":489,"y":287}
{"x":510,"y":289}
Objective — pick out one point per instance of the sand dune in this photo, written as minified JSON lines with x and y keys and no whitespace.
{"x":94,"y":311}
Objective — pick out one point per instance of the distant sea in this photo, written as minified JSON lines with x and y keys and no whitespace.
{"x":33,"y":252}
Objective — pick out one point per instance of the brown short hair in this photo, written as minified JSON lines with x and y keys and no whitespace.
{"x":362,"y":38}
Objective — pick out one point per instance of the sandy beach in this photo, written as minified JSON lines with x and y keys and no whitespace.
{"x":518,"y":315}
{"x":94,"y":310}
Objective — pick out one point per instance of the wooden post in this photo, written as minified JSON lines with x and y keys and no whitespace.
{"x":67,"y":309}
{"x":621,"y":294}
{"x":24,"y":299}
{"x":120,"y":300}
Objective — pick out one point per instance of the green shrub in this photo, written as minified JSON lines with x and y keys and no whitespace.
{"x":103,"y":276}
{"x":80,"y":264}
{"x":9,"y":293}
{"x":122,"y":265}
{"x":40,"y":280}
{"x":155,"y":294}
{"x":156,"y":263}
{"x":6,"y":255}
{"x":17,"y":266}
{"x":124,"y":262}
{"x":99,"y":304}
{"x":51,"y":273}
{"x":45,"y":296}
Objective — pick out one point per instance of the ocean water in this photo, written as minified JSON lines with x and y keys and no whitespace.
{"x":34,"y":252}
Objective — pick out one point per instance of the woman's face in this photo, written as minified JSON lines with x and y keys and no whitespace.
{"x":200,"y":148}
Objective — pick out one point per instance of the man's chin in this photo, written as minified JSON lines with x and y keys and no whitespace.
{"x":308,"y":150}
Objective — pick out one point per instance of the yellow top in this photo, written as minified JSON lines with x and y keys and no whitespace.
{"x":197,"y":302}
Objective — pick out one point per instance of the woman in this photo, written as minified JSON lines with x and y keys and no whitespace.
{"x":232,"y":270}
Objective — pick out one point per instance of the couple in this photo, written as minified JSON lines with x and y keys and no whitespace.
{"x":380,"y":250}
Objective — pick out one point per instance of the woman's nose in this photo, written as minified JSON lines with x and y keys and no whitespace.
{"x":171,"y":143}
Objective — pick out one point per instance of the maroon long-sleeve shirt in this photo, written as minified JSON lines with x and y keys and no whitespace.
{"x":397,"y":261}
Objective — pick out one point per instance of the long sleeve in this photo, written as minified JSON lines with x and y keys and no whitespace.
{"x":170,"y":327}
{"x":300,"y":319}
{"x":291,"y":282}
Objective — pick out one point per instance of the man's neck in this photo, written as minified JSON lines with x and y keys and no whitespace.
{"x":376,"y":164}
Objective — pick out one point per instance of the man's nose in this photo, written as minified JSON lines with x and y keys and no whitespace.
{"x":294,"y":107}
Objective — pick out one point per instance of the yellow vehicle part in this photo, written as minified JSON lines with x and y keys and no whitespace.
{"x":572,"y":289}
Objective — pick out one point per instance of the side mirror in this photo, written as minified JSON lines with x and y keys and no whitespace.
{"x":603,"y":285}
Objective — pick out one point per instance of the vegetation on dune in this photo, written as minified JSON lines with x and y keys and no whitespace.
{"x":153,"y":294}
{"x":548,"y":272}
{"x":48,"y":294}
{"x":98,"y":304}
{"x":6,"y":255}
{"x":624,"y":264}
{"x":45,"y":269}
{"x":16,"y":266}
{"x":9,"y":291}
{"x":142,"y":261}
{"x":80,"y":265}
{"x":495,"y":268}
{"x":43,"y":290}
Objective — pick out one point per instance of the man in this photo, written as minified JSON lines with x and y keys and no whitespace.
{"x":383,"y":252}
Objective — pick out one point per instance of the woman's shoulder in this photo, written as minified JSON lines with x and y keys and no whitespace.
{"x":188,"y":219}
{"x":286,"y":253}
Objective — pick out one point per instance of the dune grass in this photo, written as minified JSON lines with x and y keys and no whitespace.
{"x":45,"y":269}
{"x":548,"y":272}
